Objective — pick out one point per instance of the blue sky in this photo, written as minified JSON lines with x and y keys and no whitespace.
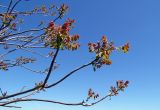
{"x":133,"y":21}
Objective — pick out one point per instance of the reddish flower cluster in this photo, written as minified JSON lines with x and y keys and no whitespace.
{"x":103,"y":50}
{"x":51,"y":25}
{"x":114,"y":91}
{"x":3,"y":65}
{"x":125,"y":48}
{"x":91,"y":94}
{"x":59,"y":36}
{"x":120,"y":86}
{"x":67,"y":26}
{"x":62,"y":10}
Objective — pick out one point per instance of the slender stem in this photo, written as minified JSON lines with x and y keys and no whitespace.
{"x":50,"y":68}
{"x":12,"y":106}
{"x":9,"y":5}
{"x":14,"y":5}
{"x":31,"y":30}
{"x":35,"y":71}
{"x":69,"y":74}
{"x":41,"y":100}
{"x":20,"y":46}
{"x":19,"y":93}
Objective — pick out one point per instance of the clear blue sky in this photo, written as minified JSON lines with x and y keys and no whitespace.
{"x":134,"y":21}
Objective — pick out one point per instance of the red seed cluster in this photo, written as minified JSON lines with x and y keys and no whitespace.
{"x":91,"y":94}
{"x":58,"y":36}
{"x":103,"y":50}
{"x":67,"y":26}
{"x":120,"y":85}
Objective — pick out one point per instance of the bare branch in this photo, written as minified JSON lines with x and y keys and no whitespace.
{"x":35,"y":71}
{"x":82,"y":103}
{"x":69,"y":74}
{"x":9,"y":6}
{"x":34,"y":52}
{"x":31,"y":30}
{"x":14,"y":6}
{"x":19,"y":46}
{"x":1,"y":56}
{"x":19,"y":93}
{"x":12,"y":106}
{"x":41,"y":100}
{"x":50,"y":68}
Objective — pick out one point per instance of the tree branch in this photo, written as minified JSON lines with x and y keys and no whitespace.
{"x":14,"y":6}
{"x":35,"y":71}
{"x":50,"y":68}
{"x":41,"y":100}
{"x":20,"y":46}
{"x":82,"y":103}
{"x":9,"y":5}
{"x":69,"y":74}
{"x":49,"y":86}
{"x":12,"y":106}
{"x":31,"y":30}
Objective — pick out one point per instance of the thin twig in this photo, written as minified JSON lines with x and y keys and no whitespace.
{"x":19,"y":47}
{"x":35,"y":71}
{"x":12,"y":106}
{"x":31,"y":30}
{"x":33,"y":52}
{"x":9,"y":6}
{"x":14,"y":6}
{"x":41,"y":100}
